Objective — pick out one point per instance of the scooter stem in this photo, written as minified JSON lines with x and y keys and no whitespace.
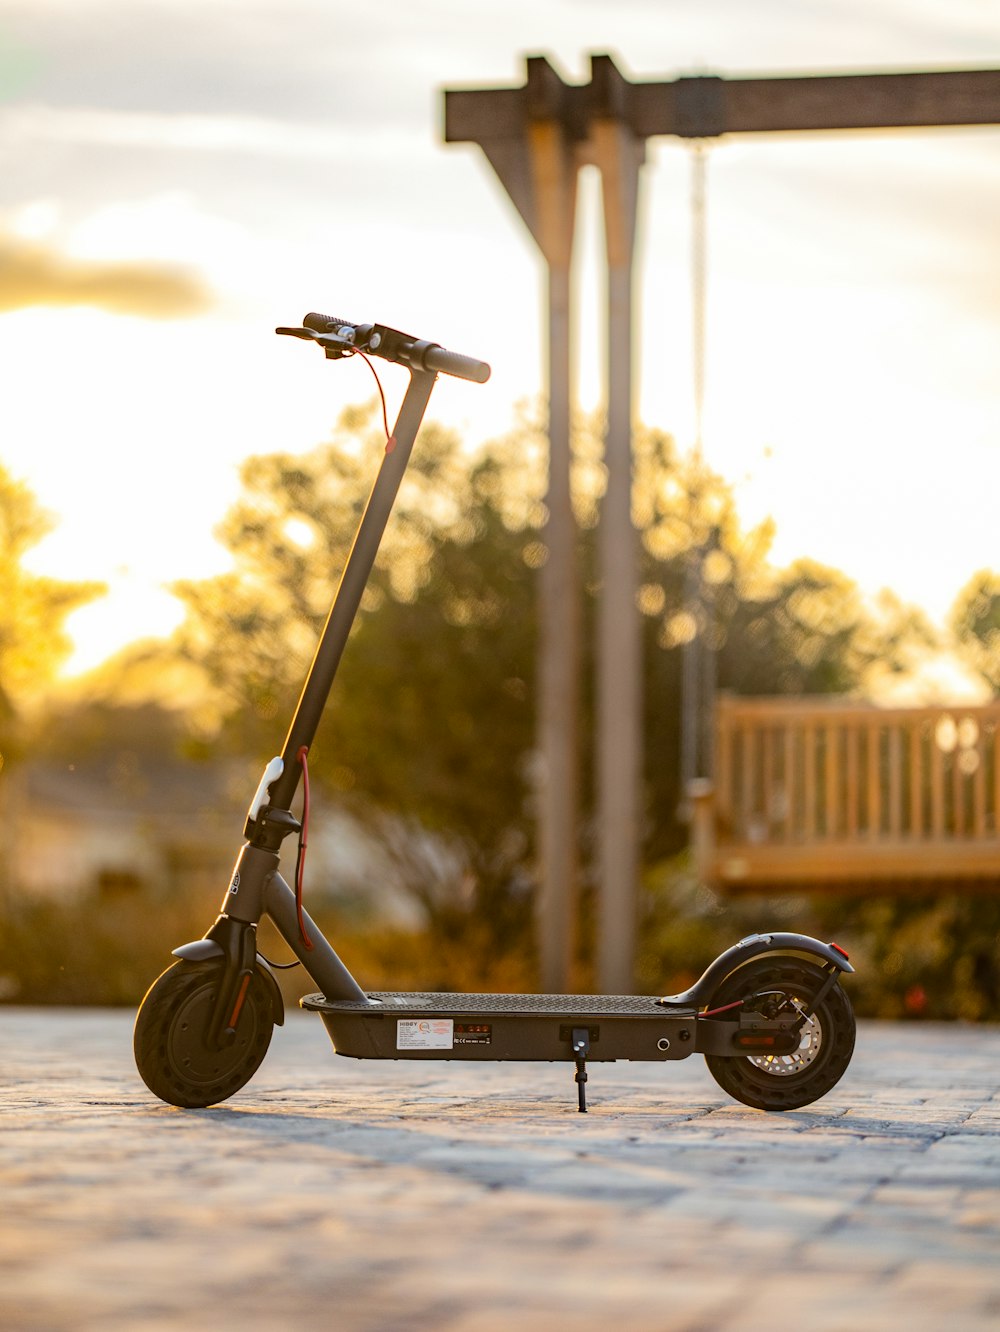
{"x":353,"y":581}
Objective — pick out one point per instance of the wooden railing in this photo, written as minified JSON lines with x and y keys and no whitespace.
{"x":820,"y":791}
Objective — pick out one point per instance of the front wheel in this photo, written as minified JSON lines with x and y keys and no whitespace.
{"x":780,"y":987}
{"x":172,"y":1050}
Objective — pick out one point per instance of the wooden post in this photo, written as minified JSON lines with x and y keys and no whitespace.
{"x":533,"y":152}
{"x":618,"y":154}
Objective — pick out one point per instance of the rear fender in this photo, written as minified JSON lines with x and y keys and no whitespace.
{"x":754,"y":945}
{"x":203,"y":950}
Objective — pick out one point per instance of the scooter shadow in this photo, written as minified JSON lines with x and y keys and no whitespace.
{"x":490,"y":1121}
{"x":635,"y":1153}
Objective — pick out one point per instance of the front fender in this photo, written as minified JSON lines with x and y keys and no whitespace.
{"x":753,"y":946}
{"x":202,"y":950}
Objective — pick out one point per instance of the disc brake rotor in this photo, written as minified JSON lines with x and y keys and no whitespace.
{"x":811,"y":1040}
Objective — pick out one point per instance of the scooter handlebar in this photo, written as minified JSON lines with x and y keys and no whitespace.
{"x":454,"y":363}
{"x":341,"y":337}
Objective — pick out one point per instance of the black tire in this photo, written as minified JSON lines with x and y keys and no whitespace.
{"x":170,"y":1042}
{"x":787,"y":1082}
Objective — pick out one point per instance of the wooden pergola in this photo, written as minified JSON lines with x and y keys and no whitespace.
{"x":537,"y":137}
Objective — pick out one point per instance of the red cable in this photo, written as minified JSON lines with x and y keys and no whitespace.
{"x":303,"y":843}
{"x":711,"y":1012}
{"x":390,"y":440}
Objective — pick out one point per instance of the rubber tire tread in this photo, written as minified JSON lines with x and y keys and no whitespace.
{"x":743,"y":1080}
{"x":186,"y":991}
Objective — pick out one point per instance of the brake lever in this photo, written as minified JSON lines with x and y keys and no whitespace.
{"x":334,"y":346}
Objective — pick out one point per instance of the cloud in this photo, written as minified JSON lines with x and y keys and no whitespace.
{"x":32,"y":274}
{"x":38,"y":124}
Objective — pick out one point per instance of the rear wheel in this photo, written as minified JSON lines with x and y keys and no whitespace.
{"x":173,"y":1054}
{"x":781,"y":987}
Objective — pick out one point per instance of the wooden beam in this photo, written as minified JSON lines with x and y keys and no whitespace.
{"x":862,"y":101}
{"x":709,"y":106}
{"x":766,"y":865}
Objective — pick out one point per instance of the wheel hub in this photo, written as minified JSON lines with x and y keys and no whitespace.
{"x":189,"y":1050}
{"x":810,"y":1043}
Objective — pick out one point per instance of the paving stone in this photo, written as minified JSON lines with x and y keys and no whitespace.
{"x":378,"y":1197}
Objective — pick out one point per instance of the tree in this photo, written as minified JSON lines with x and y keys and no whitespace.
{"x":432,"y":713}
{"x":33,"y":608}
{"x":798,"y":630}
{"x":975,"y":622}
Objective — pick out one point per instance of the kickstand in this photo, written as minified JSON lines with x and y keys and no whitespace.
{"x":581,"y":1048}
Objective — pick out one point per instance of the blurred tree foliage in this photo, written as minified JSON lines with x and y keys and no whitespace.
{"x":922,"y":953}
{"x":33,"y":608}
{"x":975,"y":622}
{"x":430,"y":729}
{"x":432,"y":716}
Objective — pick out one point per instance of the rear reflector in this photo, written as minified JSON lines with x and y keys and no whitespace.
{"x":778,"y":1042}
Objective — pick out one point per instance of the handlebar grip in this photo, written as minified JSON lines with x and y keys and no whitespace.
{"x":453,"y":363}
{"x":321,"y":323}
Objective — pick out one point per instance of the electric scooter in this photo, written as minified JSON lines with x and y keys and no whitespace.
{"x":769,"y":1014}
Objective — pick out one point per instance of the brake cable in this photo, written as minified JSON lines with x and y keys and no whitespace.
{"x":300,"y":864}
{"x":300,"y":860}
{"x":390,"y":439}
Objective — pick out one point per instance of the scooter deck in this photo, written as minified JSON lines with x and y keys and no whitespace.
{"x":506,"y":1026}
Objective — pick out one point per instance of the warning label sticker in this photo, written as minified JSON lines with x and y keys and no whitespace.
{"x":473,"y":1033}
{"x":425,"y":1034}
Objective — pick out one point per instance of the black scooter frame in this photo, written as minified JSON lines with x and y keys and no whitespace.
{"x":432,"y":1025}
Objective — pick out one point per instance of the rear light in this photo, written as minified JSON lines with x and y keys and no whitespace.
{"x":842,"y":951}
{"x":777,"y":1042}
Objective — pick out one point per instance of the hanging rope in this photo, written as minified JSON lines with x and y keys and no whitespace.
{"x":699,"y":291}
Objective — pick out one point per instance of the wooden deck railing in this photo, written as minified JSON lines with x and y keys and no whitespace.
{"x":825,"y":791}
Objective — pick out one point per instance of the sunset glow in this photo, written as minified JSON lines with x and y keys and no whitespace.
{"x":172,"y":189}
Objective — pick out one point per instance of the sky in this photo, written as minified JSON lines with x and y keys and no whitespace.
{"x":177,"y":177}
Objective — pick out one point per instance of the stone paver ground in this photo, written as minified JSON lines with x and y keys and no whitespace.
{"x":373,"y":1197}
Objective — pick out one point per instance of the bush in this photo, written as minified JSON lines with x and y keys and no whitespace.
{"x":930,"y":956}
{"x":917,"y":955}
